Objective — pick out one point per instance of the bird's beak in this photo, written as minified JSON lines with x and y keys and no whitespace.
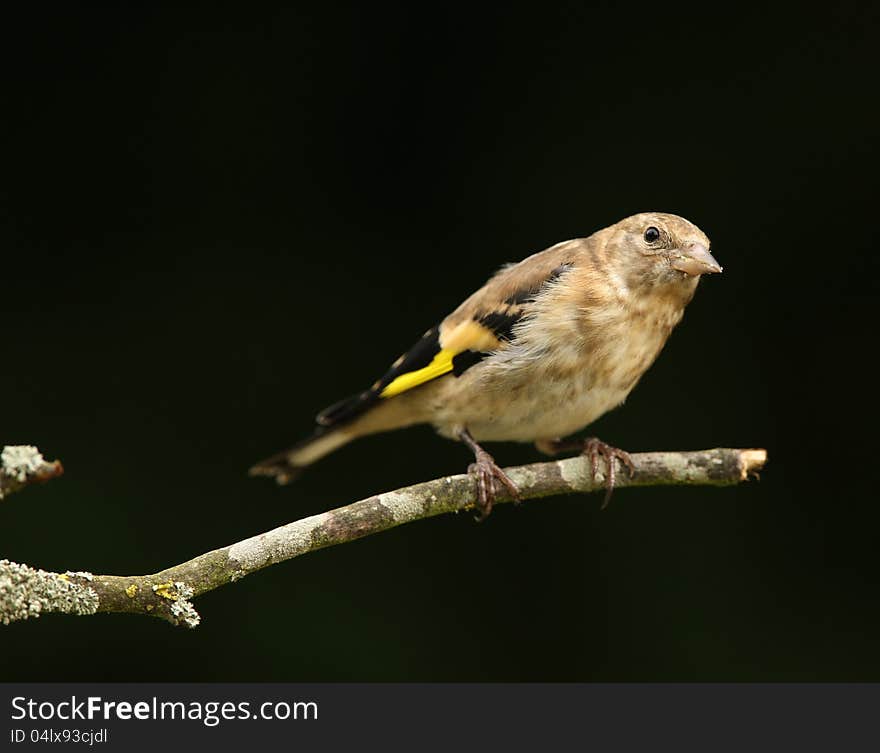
{"x":696,"y":260}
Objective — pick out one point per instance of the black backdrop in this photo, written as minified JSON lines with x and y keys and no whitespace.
{"x":218,"y":221}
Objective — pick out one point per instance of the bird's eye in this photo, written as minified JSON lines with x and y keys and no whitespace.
{"x":652,"y":235}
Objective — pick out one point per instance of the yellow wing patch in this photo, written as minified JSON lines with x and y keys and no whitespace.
{"x":440,"y":365}
{"x":468,"y":335}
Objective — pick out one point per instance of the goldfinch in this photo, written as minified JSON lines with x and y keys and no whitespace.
{"x":541,"y":351}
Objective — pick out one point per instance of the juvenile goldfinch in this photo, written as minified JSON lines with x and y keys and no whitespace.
{"x":542,"y":350}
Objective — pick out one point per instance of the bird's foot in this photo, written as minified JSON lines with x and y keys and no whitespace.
{"x":594,"y":448}
{"x":487,"y":473}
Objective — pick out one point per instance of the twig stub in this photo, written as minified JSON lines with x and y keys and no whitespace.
{"x":21,"y":465}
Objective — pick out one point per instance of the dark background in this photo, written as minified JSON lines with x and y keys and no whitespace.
{"x":216,"y":222}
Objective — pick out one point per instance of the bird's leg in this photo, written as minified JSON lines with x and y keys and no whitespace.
{"x":486,"y":471}
{"x":593,"y":448}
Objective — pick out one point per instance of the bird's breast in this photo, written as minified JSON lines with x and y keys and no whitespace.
{"x":626,"y":349}
{"x":552,"y":384}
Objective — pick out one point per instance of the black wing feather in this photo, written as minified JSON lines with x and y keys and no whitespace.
{"x":417,"y":357}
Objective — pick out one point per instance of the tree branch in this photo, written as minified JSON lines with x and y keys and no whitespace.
{"x":25,"y":592}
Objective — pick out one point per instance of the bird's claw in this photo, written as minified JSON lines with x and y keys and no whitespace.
{"x":593,"y":449}
{"x":487,"y":473}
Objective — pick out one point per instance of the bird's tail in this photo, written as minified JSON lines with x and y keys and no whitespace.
{"x":337,"y":426}
{"x":354,"y":417}
{"x":286,"y":466}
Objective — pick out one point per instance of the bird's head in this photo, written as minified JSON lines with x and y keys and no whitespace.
{"x":661,"y":249}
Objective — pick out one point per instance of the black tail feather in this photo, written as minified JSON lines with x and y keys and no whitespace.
{"x":347,"y":409}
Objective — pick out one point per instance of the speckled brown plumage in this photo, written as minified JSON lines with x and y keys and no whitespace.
{"x":541,"y":351}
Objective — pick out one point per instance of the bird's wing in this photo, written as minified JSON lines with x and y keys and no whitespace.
{"x":483,"y":324}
